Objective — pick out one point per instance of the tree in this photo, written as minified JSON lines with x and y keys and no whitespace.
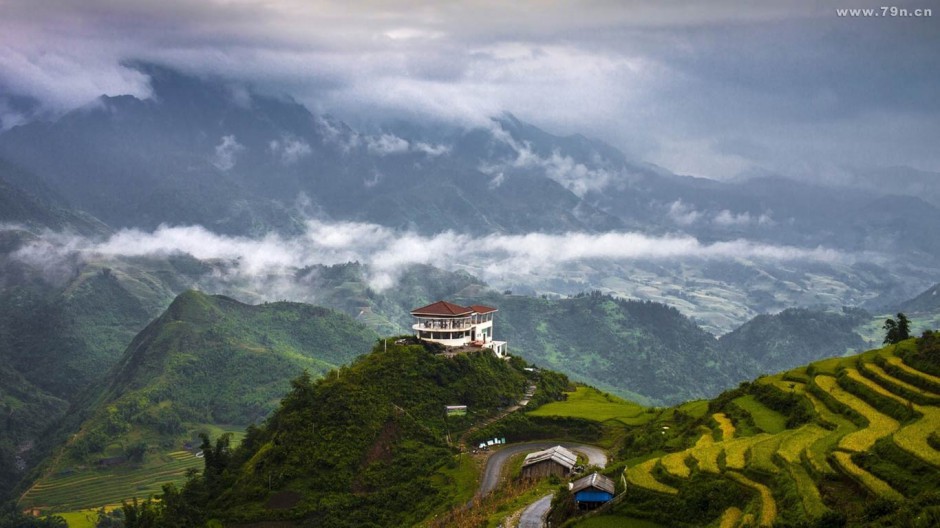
{"x":897,"y":331}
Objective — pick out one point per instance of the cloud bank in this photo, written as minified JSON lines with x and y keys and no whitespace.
{"x":386,"y":253}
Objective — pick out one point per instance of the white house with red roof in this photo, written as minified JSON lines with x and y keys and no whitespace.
{"x":453,"y":325}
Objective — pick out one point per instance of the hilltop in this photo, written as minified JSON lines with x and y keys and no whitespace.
{"x":207,"y":365}
{"x":367,"y":445}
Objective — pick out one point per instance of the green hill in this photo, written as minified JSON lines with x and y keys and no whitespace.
{"x":847,"y":441}
{"x":25,"y":413}
{"x":841,"y":442}
{"x":795,"y":336}
{"x":368,"y":445}
{"x":207,"y":362}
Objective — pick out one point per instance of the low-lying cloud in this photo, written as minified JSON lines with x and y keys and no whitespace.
{"x":387,"y":253}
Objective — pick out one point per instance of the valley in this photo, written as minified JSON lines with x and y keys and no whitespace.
{"x":843,"y":441}
{"x":710,"y":279}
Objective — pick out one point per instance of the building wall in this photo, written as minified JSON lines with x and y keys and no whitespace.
{"x":543,"y":469}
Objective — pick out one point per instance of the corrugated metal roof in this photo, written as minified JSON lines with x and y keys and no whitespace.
{"x":594,"y":480}
{"x":442,"y":308}
{"x":557,"y":454}
{"x":480,"y":309}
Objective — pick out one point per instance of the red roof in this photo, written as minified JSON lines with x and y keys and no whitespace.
{"x":480,"y":309}
{"x":442,"y":308}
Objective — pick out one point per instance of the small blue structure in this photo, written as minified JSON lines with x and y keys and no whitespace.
{"x":592,"y":491}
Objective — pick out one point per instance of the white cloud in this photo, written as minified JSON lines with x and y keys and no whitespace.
{"x":728,"y":219}
{"x":576,"y":177}
{"x":430,"y":149}
{"x":387,"y":144}
{"x":289,"y":150}
{"x":386,"y":252}
{"x":683,"y":214}
{"x":226,"y":152}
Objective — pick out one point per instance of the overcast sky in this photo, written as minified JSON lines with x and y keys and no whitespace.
{"x":707,"y":88}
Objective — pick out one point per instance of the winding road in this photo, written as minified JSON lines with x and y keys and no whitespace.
{"x":494,"y":465}
{"x":534,"y":516}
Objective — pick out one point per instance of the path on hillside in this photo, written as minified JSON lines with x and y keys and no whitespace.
{"x":529,"y":392}
{"x":494,"y":465}
{"x":534,"y":516}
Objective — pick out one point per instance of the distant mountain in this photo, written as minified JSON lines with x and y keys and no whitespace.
{"x":641,"y":350}
{"x":26,"y":202}
{"x":202,"y":151}
{"x":237,"y":162}
{"x":927,"y":302}
{"x":65,"y":335}
{"x":795,"y":336}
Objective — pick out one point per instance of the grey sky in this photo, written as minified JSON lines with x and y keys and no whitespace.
{"x":712,"y":90}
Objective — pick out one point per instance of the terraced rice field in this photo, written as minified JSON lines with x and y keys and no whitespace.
{"x":879,"y":424}
{"x":674,"y":464}
{"x":766,"y":419}
{"x":736,"y":450}
{"x":730,"y":518}
{"x":866,"y":479}
{"x":898,"y":386}
{"x":642,"y":475}
{"x":706,"y":453}
{"x":93,"y":488}
{"x":813,"y":506}
{"x":922,"y":379}
{"x":592,"y":404}
{"x":913,"y":438}
{"x":768,"y":507}
{"x":761,"y":454}
{"x":792,"y":447}
{"x":821,"y":448}
{"x":724,"y":425}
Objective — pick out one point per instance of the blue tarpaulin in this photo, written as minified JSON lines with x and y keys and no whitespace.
{"x":593,"y":496}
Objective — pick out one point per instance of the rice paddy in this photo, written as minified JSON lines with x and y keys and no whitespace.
{"x":821,"y":448}
{"x":592,"y":404}
{"x":724,"y":425}
{"x":768,"y":508}
{"x":96,"y":487}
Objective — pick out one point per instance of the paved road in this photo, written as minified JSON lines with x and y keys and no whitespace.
{"x":494,"y":466}
{"x":534,"y":516}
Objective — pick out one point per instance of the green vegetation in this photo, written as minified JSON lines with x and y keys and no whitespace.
{"x":207,"y":362}
{"x":365,"y":445}
{"x":897,"y":331}
{"x":840,"y":442}
{"x":592,"y":404}
{"x":765,"y":419}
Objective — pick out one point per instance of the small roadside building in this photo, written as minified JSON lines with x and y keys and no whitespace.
{"x":592,"y":491}
{"x":556,"y":461}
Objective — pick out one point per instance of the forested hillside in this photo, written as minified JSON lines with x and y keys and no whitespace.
{"x":368,"y":445}
{"x":207,"y":362}
{"x":794,"y":337}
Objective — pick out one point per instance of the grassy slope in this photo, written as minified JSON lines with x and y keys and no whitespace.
{"x":816,"y":442}
{"x":207,"y":361}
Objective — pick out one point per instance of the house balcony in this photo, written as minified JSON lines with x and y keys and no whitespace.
{"x":443,"y":326}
